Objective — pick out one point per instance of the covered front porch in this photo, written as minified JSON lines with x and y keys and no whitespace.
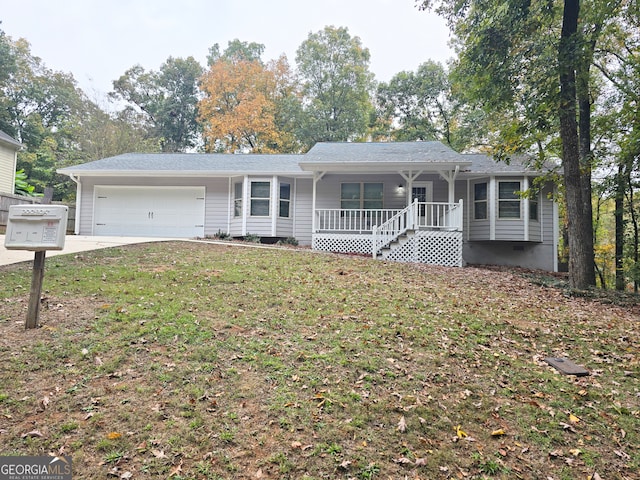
{"x":422,"y":232}
{"x":390,"y":201}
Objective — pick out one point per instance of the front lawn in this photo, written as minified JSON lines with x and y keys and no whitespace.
{"x":202,"y":361}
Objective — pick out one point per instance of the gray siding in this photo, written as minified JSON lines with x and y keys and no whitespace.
{"x":328,"y":189}
{"x":302,"y":208}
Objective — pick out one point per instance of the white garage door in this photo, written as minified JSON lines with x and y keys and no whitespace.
{"x":149,"y":211}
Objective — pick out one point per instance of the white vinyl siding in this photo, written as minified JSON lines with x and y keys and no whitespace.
{"x":7,"y":169}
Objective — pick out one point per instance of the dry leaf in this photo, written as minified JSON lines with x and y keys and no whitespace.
{"x":126,"y":475}
{"x":573,"y":418}
{"x":498,"y":433}
{"x":32,"y":434}
{"x":113,"y":435}
{"x":404,"y":460}
{"x":296,"y":445}
{"x":402,"y":424}
{"x":575,"y":452}
{"x":459,"y":432}
{"x":98,"y":361}
{"x":158,"y":453}
{"x":175,"y":470}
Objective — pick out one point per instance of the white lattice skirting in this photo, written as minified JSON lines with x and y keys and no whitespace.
{"x":431,"y":247}
{"x":343,"y":243}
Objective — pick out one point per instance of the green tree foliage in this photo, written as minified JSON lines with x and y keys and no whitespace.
{"x":236,"y":51}
{"x":528,"y":64}
{"x":336,"y":85}
{"x":41,"y":109}
{"x":420,"y":105}
{"x":167,"y":98}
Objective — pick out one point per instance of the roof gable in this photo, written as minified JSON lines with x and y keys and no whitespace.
{"x":9,"y":141}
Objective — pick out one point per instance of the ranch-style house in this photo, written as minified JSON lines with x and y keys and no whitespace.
{"x":403,"y":201}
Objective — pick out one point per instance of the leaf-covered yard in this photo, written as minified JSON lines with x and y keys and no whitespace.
{"x":193,"y":360}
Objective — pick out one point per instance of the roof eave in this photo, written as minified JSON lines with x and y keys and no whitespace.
{"x":379,"y":167}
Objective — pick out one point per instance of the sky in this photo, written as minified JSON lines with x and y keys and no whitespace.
{"x":98,"y":40}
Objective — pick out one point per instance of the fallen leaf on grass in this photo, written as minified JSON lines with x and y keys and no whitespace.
{"x":402,"y":424}
{"x":175,"y":470}
{"x":159,"y":453}
{"x":403,"y":460}
{"x":459,"y":432}
{"x":32,"y":434}
{"x":498,"y":433}
{"x":573,"y":418}
{"x":113,"y":435}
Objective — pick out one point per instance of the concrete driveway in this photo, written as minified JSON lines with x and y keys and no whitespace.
{"x":72,"y":244}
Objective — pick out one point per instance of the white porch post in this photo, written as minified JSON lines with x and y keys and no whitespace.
{"x":450,"y":177}
{"x":245,"y":203}
{"x":317,"y":176}
{"x":275,"y":195}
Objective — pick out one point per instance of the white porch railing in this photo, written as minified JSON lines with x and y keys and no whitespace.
{"x":336,"y":220}
{"x":417,"y":216}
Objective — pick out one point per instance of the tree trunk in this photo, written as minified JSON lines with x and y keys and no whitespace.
{"x":580,"y":223}
{"x":619,"y":218}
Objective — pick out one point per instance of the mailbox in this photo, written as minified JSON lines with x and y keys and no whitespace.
{"x":36,"y":227}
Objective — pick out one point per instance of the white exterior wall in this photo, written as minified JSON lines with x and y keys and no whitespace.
{"x":7,"y":169}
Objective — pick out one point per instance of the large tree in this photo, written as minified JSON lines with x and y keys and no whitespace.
{"x":530,"y":64}
{"x":168,"y":99}
{"x":421,"y":105}
{"x":336,"y":86}
{"x":248,"y":105}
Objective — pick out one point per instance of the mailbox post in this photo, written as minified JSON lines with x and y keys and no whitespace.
{"x":38,"y":228}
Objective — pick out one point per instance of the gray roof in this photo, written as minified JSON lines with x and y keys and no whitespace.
{"x":177,"y":164}
{"x":341,"y":156}
{"x":399,"y":153}
{"x":482,"y":164}
{"x":4,"y":138}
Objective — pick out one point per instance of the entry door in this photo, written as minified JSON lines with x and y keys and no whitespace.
{"x":423,"y":193}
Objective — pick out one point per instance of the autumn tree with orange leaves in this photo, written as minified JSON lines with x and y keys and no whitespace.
{"x":244,"y":106}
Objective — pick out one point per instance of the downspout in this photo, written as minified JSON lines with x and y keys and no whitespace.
{"x":76,"y":226}
{"x":556,"y":231}
{"x":525,"y":185}
{"x":492,"y":208}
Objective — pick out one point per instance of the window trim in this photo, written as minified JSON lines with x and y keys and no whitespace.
{"x":284,"y":201}
{"x":516,"y":198}
{"x":362,"y":201}
{"x":484,"y":201}
{"x":238,"y":188}
{"x":253,"y":201}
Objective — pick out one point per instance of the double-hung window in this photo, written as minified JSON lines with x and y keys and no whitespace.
{"x":509,"y":200}
{"x":361,"y":196}
{"x":260,"y":199}
{"x":285,"y":200}
{"x":237,"y":199}
{"x":480,"y":201}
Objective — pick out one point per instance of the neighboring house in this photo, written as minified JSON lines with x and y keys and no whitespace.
{"x":409,"y":201}
{"x":8,"y":158}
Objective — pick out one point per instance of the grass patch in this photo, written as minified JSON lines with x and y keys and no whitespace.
{"x":194,"y":360}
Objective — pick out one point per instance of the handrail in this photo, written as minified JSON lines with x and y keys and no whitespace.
{"x":393,"y":228}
